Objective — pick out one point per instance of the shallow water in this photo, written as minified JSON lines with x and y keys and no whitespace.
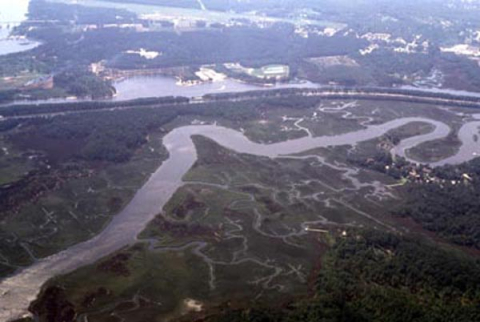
{"x":12,"y":13}
{"x":156,"y":86}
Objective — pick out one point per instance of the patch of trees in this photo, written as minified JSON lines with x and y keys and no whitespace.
{"x":387,"y":67}
{"x":82,"y":83}
{"x":460,"y":72}
{"x":114,"y":136}
{"x":7,"y":95}
{"x":7,"y":125}
{"x":375,"y":276}
{"x":278,"y":44}
{"x":167,"y":3}
{"x":341,"y":75}
{"x":450,"y":207}
{"x":68,"y":13}
{"x":107,"y":136}
{"x":53,"y":306}
{"x":47,"y":108}
{"x":359,"y":93}
{"x":14,"y":64}
{"x":382,"y":161}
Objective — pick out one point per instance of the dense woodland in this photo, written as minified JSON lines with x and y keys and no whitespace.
{"x":451,"y":208}
{"x":65,"y":14}
{"x":276,"y":44}
{"x":448,"y":203}
{"x":167,"y":3}
{"x":375,"y":276}
{"x":368,"y":276}
{"x":292,"y":97}
{"x":82,"y":83}
{"x":67,"y":46}
{"x":115,"y":136}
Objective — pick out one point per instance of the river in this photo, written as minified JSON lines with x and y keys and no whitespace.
{"x":17,"y":291}
{"x":12,"y":13}
{"x":160,"y":86}
{"x":155,"y":86}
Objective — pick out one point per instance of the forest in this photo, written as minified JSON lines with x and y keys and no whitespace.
{"x":376,"y":276}
{"x":166,"y":3}
{"x":46,"y":108}
{"x":448,"y":208}
{"x":69,"y":46}
{"x":115,"y":136}
{"x":366,"y":276}
{"x":82,"y":83}
{"x":64,"y":14}
{"x":275,"y":44}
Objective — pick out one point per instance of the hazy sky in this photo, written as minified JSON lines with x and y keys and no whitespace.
{"x":13,"y":10}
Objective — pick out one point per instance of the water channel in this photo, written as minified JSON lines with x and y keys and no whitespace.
{"x":17,"y":291}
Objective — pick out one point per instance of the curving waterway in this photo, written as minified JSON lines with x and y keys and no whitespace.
{"x":17,"y":291}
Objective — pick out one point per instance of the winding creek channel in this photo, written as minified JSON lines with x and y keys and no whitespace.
{"x":17,"y":291}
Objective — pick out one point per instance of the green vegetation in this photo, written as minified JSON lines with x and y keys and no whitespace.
{"x":449,"y":206}
{"x":365,"y":275}
{"x":118,"y":283}
{"x":255,"y":229}
{"x":374,"y":276}
{"x":66,"y":176}
{"x":64,"y":14}
{"x":45,"y":210}
{"x":167,"y":3}
{"x":83,"y":35}
{"x":435,"y":150}
{"x":246,"y":231}
{"x":60,"y":161}
{"x":342,"y":233}
{"x":81,"y":83}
